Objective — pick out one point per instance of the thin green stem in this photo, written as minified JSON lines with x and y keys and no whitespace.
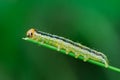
{"x":71,"y":54}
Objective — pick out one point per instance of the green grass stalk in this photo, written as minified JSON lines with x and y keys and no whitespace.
{"x":72,"y":55}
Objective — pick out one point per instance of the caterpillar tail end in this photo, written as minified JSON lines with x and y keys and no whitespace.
{"x":106,"y":65}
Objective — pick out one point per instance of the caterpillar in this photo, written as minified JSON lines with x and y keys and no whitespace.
{"x":67,"y":45}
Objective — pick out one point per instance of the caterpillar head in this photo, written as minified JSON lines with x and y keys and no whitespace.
{"x":31,"y":32}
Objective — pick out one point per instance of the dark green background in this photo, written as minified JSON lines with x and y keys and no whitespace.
{"x":94,"y":23}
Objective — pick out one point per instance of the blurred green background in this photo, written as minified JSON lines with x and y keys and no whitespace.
{"x":94,"y":23}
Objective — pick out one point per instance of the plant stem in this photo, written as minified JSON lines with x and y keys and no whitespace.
{"x":71,"y":54}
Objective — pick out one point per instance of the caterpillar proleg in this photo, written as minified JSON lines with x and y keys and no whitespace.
{"x":67,"y":45}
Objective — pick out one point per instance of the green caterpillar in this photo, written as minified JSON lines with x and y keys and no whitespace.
{"x":68,"y":45}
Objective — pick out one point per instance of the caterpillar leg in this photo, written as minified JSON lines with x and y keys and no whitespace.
{"x":77,"y":55}
{"x":42,"y":42}
{"x":67,"y":51}
{"x":85,"y":58}
{"x":106,"y":64}
{"x":58,"y":48}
